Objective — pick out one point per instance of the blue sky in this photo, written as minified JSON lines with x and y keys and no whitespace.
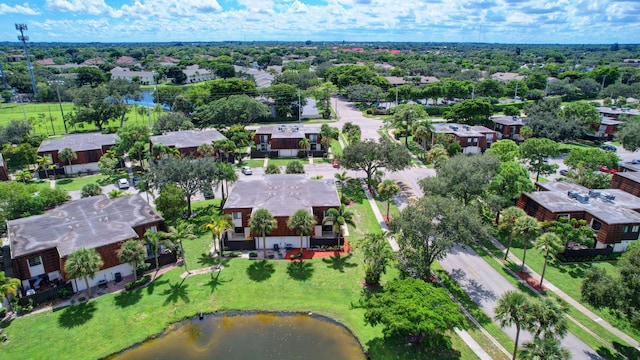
{"x":500,"y":21}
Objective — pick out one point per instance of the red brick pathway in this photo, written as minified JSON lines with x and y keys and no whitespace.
{"x":311,"y":254}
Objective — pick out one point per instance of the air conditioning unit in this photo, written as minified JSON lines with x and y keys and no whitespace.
{"x":572,"y":194}
{"x":610,"y":198}
{"x":594,"y":193}
{"x":583,"y":198}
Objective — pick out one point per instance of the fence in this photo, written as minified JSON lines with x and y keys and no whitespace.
{"x":41,"y":297}
{"x":163,"y":259}
{"x":585,"y":253}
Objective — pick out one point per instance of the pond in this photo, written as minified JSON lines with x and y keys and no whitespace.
{"x":251,"y":336}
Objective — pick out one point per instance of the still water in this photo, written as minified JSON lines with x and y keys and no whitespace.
{"x":254,"y":336}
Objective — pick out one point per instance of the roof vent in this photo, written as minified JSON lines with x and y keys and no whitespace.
{"x":613,"y":108}
{"x":572,"y":194}
{"x":453,"y":127}
{"x":515,"y":118}
{"x":594,"y":193}
{"x":583,"y":198}
{"x":609,"y":198}
{"x":466,"y":127}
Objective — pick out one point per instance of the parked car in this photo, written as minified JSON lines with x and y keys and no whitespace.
{"x":564,"y":172}
{"x":247,"y":170}
{"x":635,"y":161}
{"x":123,"y":184}
{"x":605,"y":169}
{"x":609,"y":147}
{"x":208,"y":194}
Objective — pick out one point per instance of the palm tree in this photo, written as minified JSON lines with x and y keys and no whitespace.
{"x":8,"y":286}
{"x":549,"y":243}
{"x":328,"y":133}
{"x":24,"y":176}
{"x":263,"y":222}
{"x":44,"y":161}
{"x":376,"y":254}
{"x":302,"y":222}
{"x":548,"y":318}
{"x":206,"y":150}
{"x":154,"y":240}
{"x":546,"y":348}
{"x":508,"y":223}
{"x":304,"y":145}
{"x":68,"y":155}
{"x":343,"y":180}
{"x":437,"y":155}
{"x":83,"y":263}
{"x":218,"y":225}
{"x":422,"y":132}
{"x":134,"y":253}
{"x":528,"y":228}
{"x":178,"y":234}
{"x":339,"y":217}
{"x":512,"y":309}
{"x":386,"y":190}
{"x":226,"y":175}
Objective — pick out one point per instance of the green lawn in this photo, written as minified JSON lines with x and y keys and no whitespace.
{"x":254,"y":163}
{"x":109,"y":323}
{"x":336,"y":149}
{"x":285,"y":161}
{"x":76,"y":183}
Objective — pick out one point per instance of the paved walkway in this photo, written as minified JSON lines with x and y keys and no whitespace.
{"x":610,"y":328}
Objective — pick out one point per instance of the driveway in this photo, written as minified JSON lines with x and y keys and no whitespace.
{"x":485,"y":285}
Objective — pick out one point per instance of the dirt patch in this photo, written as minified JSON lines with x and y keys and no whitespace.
{"x":314,"y":254}
{"x":533,"y":282}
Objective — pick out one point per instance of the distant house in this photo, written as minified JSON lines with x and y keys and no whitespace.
{"x":46,"y":62}
{"x":472,"y":139}
{"x":508,"y":127}
{"x":93,"y":61}
{"x":397,"y":80}
{"x":125,"y":60}
{"x":607,"y":128}
{"x":187,"y":141}
{"x":628,"y":181}
{"x":507,"y":76}
{"x":144,"y":77}
{"x":282,"y":195}
{"x":284,"y":140}
{"x":40,"y":244}
{"x":617,"y":113}
{"x":196,"y":74}
{"x":88,"y":147}
{"x":613,"y":214}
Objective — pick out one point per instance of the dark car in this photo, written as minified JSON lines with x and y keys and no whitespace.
{"x":564,"y":172}
{"x":635,"y":161}
{"x":609,"y":148}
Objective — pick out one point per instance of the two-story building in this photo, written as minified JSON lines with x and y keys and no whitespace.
{"x":606,"y":130}
{"x":187,"y":141}
{"x":508,"y":127}
{"x":282,"y":195}
{"x":41,"y":244}
{"x":628,"y":181}
{"x":472,"y":139}
{"x":88,"y":147}
{"x":617,"y":113}
{"x":196,"y":74}
{"x":284,"y":140}
{"x":613,"y":214}
{"x":144,"y":77}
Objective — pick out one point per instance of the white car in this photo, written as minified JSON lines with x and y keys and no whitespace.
{"x":123,"y":184}
{"x":247,"y":170}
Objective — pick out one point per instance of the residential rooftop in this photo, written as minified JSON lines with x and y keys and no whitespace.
{"x":460,"y":130}
{"x":85,"y":223}
{"x":508,"y":120}
{"x":283,"y":194}
{"x":287,"y":131}
{"x":79,"y":142}
{"x":188,"y":138}
{"x":617,"y":110}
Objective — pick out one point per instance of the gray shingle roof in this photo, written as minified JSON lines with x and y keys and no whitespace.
{"x":188,"y":138}
{"x":78,"y":142}
{"x":90,"y":223}
{"x":283,"y":194}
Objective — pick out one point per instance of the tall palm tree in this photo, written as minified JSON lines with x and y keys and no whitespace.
{"x":507,"y":223}
{"x":513,"y":309}
{"x":437,"y":155}
{"x":343,"y":180}
{"x":226,"y":175}
{"x":8,"y":286}
{"x":339,"y":217}
{"x":550,"y":243}
{"x":44,"y":161}
{"x":134,"y":253}
{"x":304,"y":145}
{"x":154,"y":240}
{"x":376,"y":254}
{"x":67,"y":155}
{"x":548,"y":318}
{"x":263,"y":222}
{"x":547,"y":348}
{"x":302,"y":222}
{"x":206,"y":150}
{"x":218,"y":225}
{"x":528,"y":228}
{"x":328,"y":133}
{"x":386,"y":189}
{"x":83,"y":263}
{"x":178,"y":234}
{"x":422,"y":132}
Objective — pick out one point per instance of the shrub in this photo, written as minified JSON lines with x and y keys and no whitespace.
{"x":3,"y":313}
{"x":65,"y":293}
{"x":21,"y":309}
{"x":145,"y":279}
{"x":253,"y":254}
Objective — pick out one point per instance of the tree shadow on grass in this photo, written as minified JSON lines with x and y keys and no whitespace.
{"x":300,"y":270}
{"x":76,"y":315}
{"x":64,"y":181}
{"x":629,"y":351}
{"x":151,"y":286}
{"x":176,"y":291}
{"x":338,"y":262}
{"x":260,"y":270}
{"x":128,"y":298}
{"x":216,"y":281}
{"x":206,"y":260}
{"x":608,"y":354}
{"x":398,"y":349}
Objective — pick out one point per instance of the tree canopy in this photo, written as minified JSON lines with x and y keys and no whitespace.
{"x":369,"y":156}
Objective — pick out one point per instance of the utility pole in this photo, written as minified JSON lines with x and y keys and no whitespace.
{"x":396,"y":95}
{"x":64,"y":121}
{"x":473,"y":92}
{"x":299,"y":107}
{"x":603,"y":79}
{"x":4,"y":80}
{"x":515,"y":96}
{"x":24,"y":39}
{"x":51,"y":120}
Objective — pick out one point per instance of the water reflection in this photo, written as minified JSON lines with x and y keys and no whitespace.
{"x":251,"y":336}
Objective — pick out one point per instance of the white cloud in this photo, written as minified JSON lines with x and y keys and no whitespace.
{"x":90,"y":7}
{"x":17,"y":9}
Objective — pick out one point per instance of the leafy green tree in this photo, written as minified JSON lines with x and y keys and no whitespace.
{"x":133,"y":137}
{"x":272,"y":169}
{"x":91,"y":189}
{"x":505,"y":149}
{"x":413,"y":309}
{"x":547,"y":318}
{"x":343,"y":181}
{"x":404,"y":115}
{"x":428,"y":228}
{"x":108,"y":165}
{"x":263,"y":222}
{"x":629,"y":135}
{"x":512,"y":309}
{"x":376,"y":255}
{"x":590,"y":158}
{"x":437,"y":155}
{"x":96,"y":106}
{"x":234,"y":109}
{"x":43,"y":162}
{"x":9,"y":286}
{"x":166,"y":95}
{"x":84,"y":263}
{"x":571,"y":230}
{"x":304,"y":145}
{"x":172,"y":202}
{"x":369,"y":156}
{"x":470,"y":112}
{"x":507,"y":223}
{"x":527,"y":228}
{"x":302,"y":222}
{"x":67,"y":155}
{"x":285,"y":97}
{"x":89,"y":75}
{"x":133,"y":252}
{"x":172,"y":121}
{"x":155,"y":239}
{"x":459,"y":177}
{"x":549,"y":243}
{"x":19,"y":156}
{"x":50,"y":198}
{"x":511,"y":110}
{"x":328,"y":133}
{"x":339,"y":217}
{"x":421,"y":132}
{"x":582,"y":112}
{"x":24,"y":175}
{"x":387,"y":189}
{"x":536,"y":152}
{"x":511,"y":180}
{"x":294,"y":167}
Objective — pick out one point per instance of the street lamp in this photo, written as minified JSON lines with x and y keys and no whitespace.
{"x":22,"y":28}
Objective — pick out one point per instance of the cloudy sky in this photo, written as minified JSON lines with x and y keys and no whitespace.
{"x":501,"y":21}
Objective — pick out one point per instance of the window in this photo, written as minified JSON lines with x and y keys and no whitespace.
{"x":238,"y":230}
{"x":264,"y":139}
{"x":237,"y":215}
{"x":512,"y":129}
{"x":596,"y":225}
{"x":314,"y":147}
{"x":35,"y":261}
{"x":499,"y":127}
{"x":625,"y":229}
{"x":313,"y":138}
{"x":635,"y":228}
{"x":152,"y":229}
